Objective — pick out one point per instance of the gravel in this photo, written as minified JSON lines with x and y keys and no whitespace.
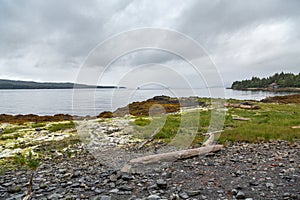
{"x":239,"y":171}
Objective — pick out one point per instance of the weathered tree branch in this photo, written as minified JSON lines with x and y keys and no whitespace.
{"x":30,"y":188}
{"x":149,"y":139}
{"x":176,"y":155}
{"x":211,"y":138}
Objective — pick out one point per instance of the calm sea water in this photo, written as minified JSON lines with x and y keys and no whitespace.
{"x":93,"y":101}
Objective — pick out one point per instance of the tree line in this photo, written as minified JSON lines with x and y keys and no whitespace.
{"x":11,"y":84}
{"x":282,"y":80}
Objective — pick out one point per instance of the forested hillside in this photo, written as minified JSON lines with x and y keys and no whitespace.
{"x":10,"y":84}
{"x":282,"y":80}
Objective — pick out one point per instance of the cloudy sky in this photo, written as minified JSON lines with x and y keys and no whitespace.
{"x":53,"y":40}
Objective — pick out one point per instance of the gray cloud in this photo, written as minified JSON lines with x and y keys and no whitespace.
{"x":49,"y":40}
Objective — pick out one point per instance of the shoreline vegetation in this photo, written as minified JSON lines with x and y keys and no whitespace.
{"x":273,"y":118}
{"x":288,"y":89}
{"x":283,"y":82}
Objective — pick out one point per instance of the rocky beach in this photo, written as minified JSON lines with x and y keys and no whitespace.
{"x":88,"y":158}
{"x":239,"y":171}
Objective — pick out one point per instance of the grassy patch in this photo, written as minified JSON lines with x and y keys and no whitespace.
{"x":142,"y":121}
{"x":11,"y":133}
{"x":61,"y":126}
{"x":12,"y":129}
{"x":271,"y":122}
{"x":38,"y":125}
{"x":11,"y":136}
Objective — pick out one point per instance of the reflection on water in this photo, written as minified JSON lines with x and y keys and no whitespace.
{"x":92,"y":102}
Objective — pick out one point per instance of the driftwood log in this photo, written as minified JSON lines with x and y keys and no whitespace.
{"x":241,"y":119}
{"x":181,"y":154}
{"x":211,"y":138}
{"x":148,"y":140}
{"x":243,"y":106}
{"x":176,"y":155}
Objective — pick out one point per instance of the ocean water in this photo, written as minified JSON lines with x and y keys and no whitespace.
{"x":94,"y":101}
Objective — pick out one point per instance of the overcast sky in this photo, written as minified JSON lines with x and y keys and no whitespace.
{"x":50,"y":40}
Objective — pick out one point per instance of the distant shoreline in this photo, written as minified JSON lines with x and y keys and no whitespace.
{"x":137,"y":109}
{"x":270,"y":89}
{"x":20,"y":85}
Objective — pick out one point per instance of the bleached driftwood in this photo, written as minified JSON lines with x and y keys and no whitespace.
{"x":148,"y":140}
{"x":294,"y":127}
{"x":244,"y":106}
{"x":241,"y":119}
{"x":176,"y":155}
{"x":211,"y":138}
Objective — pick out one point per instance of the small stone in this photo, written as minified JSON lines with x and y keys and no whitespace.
{"x":99,"y":191}
{"x":192,"y":193}
{"x":55,"y":196}
{"x":169,"y":175}
{"x":234,"y":191}
{"x":253,"y":183}
{"x":269,"y":185}
{"x":13,"y":189}
{"x":62,"y":171}
{"x":76,"y":174}
{"x":280,"y":164}
{"x":7,"y":184}
{"x":114,"y":191}
{"x":162,"y":184}
{"x":240,"y":195}
{"x":112,"y":185}
{"x":113,"y":178}
{"x":153,"y":197}
{"x":286,"y":194}
{"x":102,"y":197}
{"x":126,"y":169}
{"x":69,"y":197}
{"x":183,"y":195}
{"x":127,"y":176}
{"x":43,"y":186}
{"x":125,"y":188}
